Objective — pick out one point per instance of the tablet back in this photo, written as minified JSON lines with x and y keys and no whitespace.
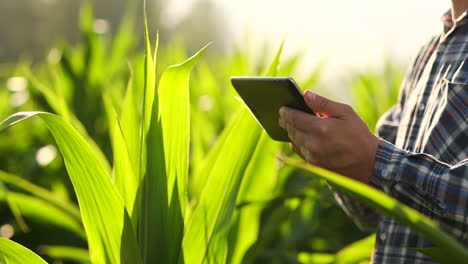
{"x":264,"y":96}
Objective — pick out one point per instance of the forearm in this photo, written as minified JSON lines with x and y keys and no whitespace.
{"x":365,"y":217}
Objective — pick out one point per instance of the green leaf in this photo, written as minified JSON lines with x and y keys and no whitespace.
{"x":150,"y":79}
{"x":206,"y":118}
{"x":41,"y":211}
{"x":145,"y":237}
{"x":206,"y":234}
{"x":199,"y":178}
{"x":149,"y":89}
{"x":357,"y":252}
{"x":59,"y":105}
{"x":67,"y":253}
{"x":13,"y":252}
{"x":273,"y":69}
{"x":42,"y":193}
{"x":107,"y":224}
{"x":12,"y":203}
{"x":129,"y":122}
{"x":124,"y":176}
{"x":86,"y":17}
{"x":257,"y":184}
{"x":124,"y":40}
{"x":454,"y":252}
{"x":316,"y":258}
{"x":164,"y":186}
{"x":174,"y":115}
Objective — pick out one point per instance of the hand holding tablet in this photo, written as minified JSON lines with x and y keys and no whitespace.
{"x":264,"y":96}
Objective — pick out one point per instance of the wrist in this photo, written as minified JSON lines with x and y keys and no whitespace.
{"x":373,"y":149}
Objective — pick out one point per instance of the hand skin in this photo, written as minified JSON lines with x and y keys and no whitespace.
{"x":337,"y":139}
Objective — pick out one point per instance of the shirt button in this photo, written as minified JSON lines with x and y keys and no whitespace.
{"x":383,"y":236}
{"x":385,"y":173}
{"x":421,"y":109}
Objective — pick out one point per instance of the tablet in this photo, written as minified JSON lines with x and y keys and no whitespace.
{"x":264,"y":96}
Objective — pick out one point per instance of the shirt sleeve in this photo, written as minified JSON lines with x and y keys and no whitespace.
{"x":420,"y":180}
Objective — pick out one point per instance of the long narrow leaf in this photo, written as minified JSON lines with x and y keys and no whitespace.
{"x":454,"y":252}
{"x":357,"y":252}
{"x":42,"y":193}
{"x":12,"y":252}
{"x":149,"y":91}
{"x":144,"y":224}
{"x":110,"y":234}
{"x":129,"y":123}
{"x":68,"y":253}
{"x":273,"y":69}
{"x":164,"y":186}
{"x":174,"y":115}
{"x":124,"y":176}
{"x":61,"y":108}
{"x":206,"y":234}
{"x":256,"y":185}
{"x":41,"y":211}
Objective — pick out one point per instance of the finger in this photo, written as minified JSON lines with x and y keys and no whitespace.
{"x":325,"y":106}
{"x":307,"y":155}
{"x":292,"y":118}
{"x":281,"y":122}
{"x":306,"y":145}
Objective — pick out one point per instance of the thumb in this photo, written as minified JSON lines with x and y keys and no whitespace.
{"x":324,"y":106}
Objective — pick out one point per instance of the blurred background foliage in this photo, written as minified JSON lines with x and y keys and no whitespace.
{"x":57,"y":58}
{"x":32,"y":27}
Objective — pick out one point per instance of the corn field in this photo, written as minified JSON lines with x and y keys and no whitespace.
{"x":110,"y":153}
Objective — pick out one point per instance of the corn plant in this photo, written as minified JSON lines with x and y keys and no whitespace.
{"x":173,"y":194}
{"x":145,"y":198}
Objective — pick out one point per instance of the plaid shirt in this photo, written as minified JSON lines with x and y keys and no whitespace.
{"x":423,"y":158}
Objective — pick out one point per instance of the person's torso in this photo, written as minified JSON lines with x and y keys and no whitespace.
{"x":433,"y":120}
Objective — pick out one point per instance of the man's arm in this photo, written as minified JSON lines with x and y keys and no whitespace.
{"x":303,"y":144}
{"x":365,"y":217}
{"x":340,"y":141}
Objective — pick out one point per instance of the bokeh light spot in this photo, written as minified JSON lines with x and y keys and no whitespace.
{"x":101,"y":26}
{"x":205,"y":103}
{"x":17,"y":84}
{"x":46,"y":155}
{"x":54,"y":56}
{"x":7,"y":231}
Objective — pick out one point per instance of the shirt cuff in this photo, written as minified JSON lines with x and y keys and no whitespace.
{"x":388,"y":160}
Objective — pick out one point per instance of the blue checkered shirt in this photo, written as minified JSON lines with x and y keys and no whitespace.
{"x":422,"y":159}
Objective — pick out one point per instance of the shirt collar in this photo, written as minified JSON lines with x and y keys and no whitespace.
{"x":448,"y":21}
